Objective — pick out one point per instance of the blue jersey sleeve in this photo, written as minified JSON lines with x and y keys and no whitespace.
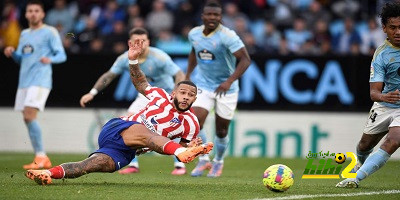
{"x":377,"y":73}
{"x":120,"y":64}
{"x":232,"y":41}
{"x":56,"y":46}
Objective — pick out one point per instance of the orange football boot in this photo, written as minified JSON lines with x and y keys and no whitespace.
{"x":40,"y":162}
{"x":41,"y":177}
{"x":192,"y":152}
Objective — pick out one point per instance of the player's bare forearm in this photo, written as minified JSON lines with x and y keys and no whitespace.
{"x":98,"y":162}
{"x":243,"y":64}
{"x":138,"y":78}
{"x":191,"y":64}
{"x":104,"y":80}
{"x":179,"y":76}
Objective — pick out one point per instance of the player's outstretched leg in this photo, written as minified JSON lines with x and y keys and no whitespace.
{"x":97,"y":162}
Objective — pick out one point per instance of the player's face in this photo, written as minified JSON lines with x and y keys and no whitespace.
{"x":211,"y":17}
{"x":392,"y":29}
{"x":184,"y":96}
{"x":34,"y":14}
{"x":146,"y":41}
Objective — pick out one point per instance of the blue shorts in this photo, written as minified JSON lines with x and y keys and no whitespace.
{"x":112,"y":144}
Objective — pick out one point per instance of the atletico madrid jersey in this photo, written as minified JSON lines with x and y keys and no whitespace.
{"x":161,"y":117}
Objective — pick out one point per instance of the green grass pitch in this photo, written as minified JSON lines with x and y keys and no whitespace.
{"x":241,"y":179}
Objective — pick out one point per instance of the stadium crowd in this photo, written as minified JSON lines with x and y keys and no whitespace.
{"x":275,"y":27}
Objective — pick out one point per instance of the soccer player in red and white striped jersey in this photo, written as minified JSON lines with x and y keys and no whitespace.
{"x":164,"y":118}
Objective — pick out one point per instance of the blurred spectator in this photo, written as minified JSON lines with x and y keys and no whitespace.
{"x":126,"y":2}
{"x":271,"y":38}
{"x":322,"y":37}
{"x":159,"y":18}
{"x":87,"y":35}
{"x":116,"y":41}
{"x":174,"y":44}
{"x":231,"y":13}
{"x":60,"y":17}
{"x":9,"y":26}
{"x":250,"y":43}
{"x":283,"y":47}
{"x":346,"y":8}
{"x":110,"y":14}
{"x":315,"y":12}
{"x":372,"y":38}
{"x":283,"y":14}
{"x":184,"y":17}
{"x":69,"y":45}
{"x":298,"y":35}
{"x":240,"y":26}
{"x":348,"y":41}
{"x":133,"y":13}
{"x":96,"y":46}
{"x":138,"y":22}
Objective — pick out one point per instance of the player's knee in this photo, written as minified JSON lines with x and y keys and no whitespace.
{"x":222,"y":133}
{"x":392,"y":141}
{"x":364,"y":145}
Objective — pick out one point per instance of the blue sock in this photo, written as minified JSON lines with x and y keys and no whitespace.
{"x":202,"y":134}
{"x":372,"y":164}
{"x":134,"y":163}
{"x":363,"y":155}
{"x":35,"y":134}
{"x":221,"y":144}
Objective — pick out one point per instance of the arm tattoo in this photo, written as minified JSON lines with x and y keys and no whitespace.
{"x":153,"y":146}
{"x":98,"y":162}
{"x":138,"y":78}
{"x":104,"y":80}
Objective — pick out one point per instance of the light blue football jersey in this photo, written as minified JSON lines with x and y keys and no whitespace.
{"x":214,"y":55}
{"x":385,"y":67}
{"x":33,"y":45}
{"x":158,"y":68}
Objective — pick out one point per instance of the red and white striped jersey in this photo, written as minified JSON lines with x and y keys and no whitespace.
{"x":161,"y":117}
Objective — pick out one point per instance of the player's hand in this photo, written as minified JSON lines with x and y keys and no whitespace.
{"x":135,"y":49}
{"x":8,"y":51}
{"x":196,"y":142}
{"x":391,"y":97}
{"x":86,"y":99}
{"x":45,"y":60}
{"x":221,"y":90}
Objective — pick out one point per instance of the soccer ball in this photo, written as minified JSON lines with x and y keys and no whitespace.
{"x":278,"y":178}
{"x":340,"y":158}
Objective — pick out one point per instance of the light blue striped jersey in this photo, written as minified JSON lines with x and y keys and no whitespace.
{"x":214,"y":55}
{"x":33,"y":45}
{"x":385,"y":67}
{"x":158,"y":68}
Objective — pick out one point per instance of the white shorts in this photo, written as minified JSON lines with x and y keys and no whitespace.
{"x":140,"y":102}
{"x":33,"y":96}
{"x":224,"y":106}
{"x":381,"y":118}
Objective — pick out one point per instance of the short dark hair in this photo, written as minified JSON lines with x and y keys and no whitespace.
{"x":214,"y":4}
{"x":187,"y":82}
{"x":390,"y":9}
{"x":36,"y":2}
{"x":138,"y":31}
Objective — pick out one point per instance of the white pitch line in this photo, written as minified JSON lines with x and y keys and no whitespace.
{"x":333,"y":195}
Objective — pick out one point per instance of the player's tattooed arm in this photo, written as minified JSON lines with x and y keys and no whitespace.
{"x":137,"y":76}
{"x":98,"y":162}
{"x":104,"y":80}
